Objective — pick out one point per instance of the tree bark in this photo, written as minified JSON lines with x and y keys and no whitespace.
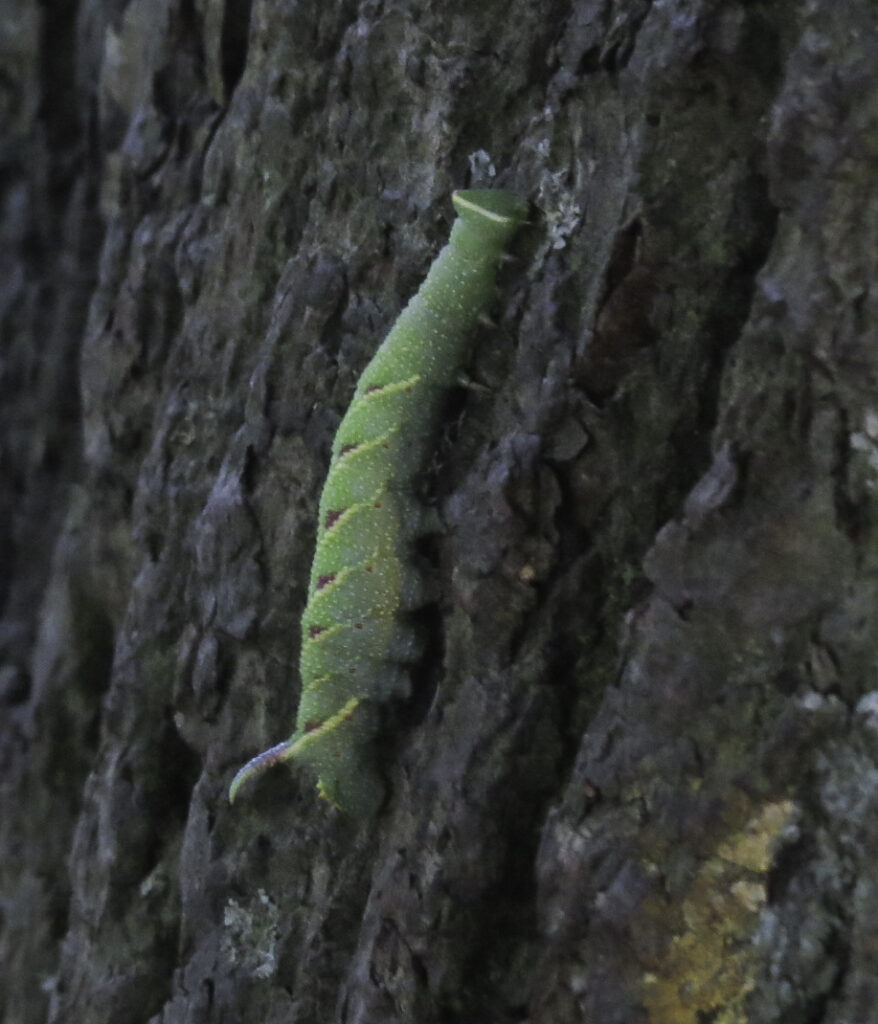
{"x":638,"y":777}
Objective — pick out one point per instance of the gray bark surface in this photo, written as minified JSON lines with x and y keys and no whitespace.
{"x":638,"y":779}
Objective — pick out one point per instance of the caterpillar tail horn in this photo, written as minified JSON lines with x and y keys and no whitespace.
{"x":257,"y":765}
{"x":291,"y":748}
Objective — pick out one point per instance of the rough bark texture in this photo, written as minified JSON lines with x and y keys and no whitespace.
{"x":639,"y":780}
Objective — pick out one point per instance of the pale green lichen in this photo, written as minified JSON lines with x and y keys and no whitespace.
{"x":252,"y":935}
{"x":561,"y":212}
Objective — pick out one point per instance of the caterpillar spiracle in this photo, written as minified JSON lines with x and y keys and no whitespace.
{"x":354,"y":646}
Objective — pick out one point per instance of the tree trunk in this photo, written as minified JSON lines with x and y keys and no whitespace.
{"x":638,"y":778}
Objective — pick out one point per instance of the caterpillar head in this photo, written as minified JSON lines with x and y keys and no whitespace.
{"x":488,"y":218}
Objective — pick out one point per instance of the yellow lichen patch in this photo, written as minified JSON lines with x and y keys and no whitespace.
{"x":755,"y":845}
{"x":712,"y":961}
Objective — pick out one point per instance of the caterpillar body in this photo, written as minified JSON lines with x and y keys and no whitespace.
{"x":354,"y":646}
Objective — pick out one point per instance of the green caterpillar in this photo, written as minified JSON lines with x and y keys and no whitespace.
{"x":354,"y":647}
